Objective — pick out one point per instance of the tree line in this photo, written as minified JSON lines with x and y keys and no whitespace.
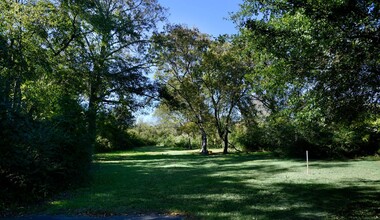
{"x":299,"y":75}
{"x":71,"y":74}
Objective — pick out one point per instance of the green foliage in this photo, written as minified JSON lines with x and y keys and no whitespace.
{"x":168,"y":134}
{"x":114,"y":135}
{"x":44,"y":147}
{"x":111,"y":51}
{"x":41,"y":157}
{"x":224,"y":71}
{"x":316,"y":72}
{"x":179,"y":57}
{"x":203,"y":80}
{"x":292,"y":137}
{"x":63,"y":64}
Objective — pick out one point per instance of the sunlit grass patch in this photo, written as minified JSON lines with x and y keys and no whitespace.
{"x":234,"y":186}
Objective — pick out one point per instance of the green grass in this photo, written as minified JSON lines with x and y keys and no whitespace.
{"x":246,"y":186}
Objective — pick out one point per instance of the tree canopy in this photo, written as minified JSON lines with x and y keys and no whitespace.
{"x":179,"y":71}
{"x":317,"y":65}
{"x":328,"y":49}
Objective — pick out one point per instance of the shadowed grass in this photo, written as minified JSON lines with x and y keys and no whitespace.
{"x":245,"y":186}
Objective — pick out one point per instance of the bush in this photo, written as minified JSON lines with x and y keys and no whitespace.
{"x":289,"y":137}
{"x":39,"y":158}
{"x":185,"y":143}
{"x":117,"y":139}
{"x":112,"y":137}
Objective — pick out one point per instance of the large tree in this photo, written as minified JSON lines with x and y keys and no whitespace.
{"x":113,"y":52}
{"x":328,"y":48}
{"x":317,"y":67}
{"x":56,"y":57}
{"x":21,"y":55}
{"x":224,"y":70}
{"x":42,"y":130}
{"x":179,"y":59}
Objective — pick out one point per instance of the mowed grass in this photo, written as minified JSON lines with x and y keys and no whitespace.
{"x":235,"y":186}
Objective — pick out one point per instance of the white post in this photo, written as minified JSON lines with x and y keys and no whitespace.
{"x":307,"y":162}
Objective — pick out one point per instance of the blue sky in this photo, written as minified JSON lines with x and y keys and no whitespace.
{"x":207,"y":15}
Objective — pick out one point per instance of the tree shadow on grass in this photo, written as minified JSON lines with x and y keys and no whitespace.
{"x":219,"y":187}
{"x":338,"y":202}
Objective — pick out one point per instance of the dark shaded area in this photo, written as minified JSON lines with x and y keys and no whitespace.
{"x":150,"y":217}
{"x":40,"y":158}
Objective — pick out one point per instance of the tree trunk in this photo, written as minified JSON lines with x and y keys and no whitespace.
{"x":91,"y":116}
{"x":204,"y":142}
{"x":5,"y":103}
{"x":95,"y":88}
{"x":225,"y":140}
{"x":17,"y":96}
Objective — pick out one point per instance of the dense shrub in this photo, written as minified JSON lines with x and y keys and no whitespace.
{"x":116,"y":139}
{"x":114,"y":136}
{"x":322,"y":140}
{"x":163,"y":134}
{"x":39,"y":158}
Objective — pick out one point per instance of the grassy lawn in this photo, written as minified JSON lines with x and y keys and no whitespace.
{"x":245,"y":186}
